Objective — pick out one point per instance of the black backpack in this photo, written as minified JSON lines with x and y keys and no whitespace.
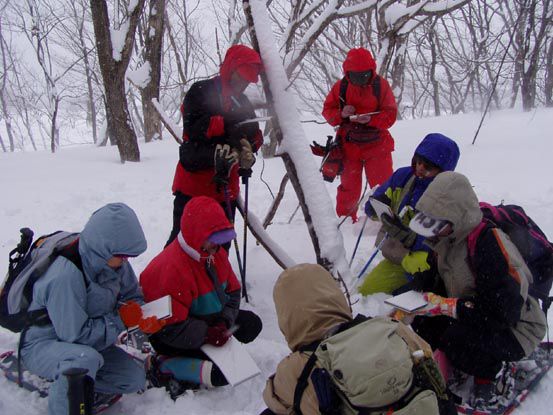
{"x":530,"y":241}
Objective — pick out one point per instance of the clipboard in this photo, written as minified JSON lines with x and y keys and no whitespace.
{"x":409,"y":301}
{"x":380,"y":208}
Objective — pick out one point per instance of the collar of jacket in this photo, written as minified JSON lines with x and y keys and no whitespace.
{"x":192,"y":253}
{"x":195,"y":255}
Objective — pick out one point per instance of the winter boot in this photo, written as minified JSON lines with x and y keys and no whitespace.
{"x":102,"y":401}
{"x":484,"y":395}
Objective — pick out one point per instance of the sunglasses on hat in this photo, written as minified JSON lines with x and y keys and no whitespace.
{"x":361,"y":77}
{"x":426,"y":225}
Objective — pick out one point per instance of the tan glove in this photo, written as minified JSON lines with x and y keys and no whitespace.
{"x":247,"y":158}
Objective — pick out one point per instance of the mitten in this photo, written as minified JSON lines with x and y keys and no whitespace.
{"x":395,"y":229}
{"x":151,"y":325}
{"x":415,"y":262}
{"x":438,"y":305}
{"x":130,"y":314}
{"x":347,"y":111}
{"x":217,"y":335}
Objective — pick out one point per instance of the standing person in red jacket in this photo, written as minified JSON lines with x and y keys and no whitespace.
{"x":216,"y":147}
{"x":363,"y":106}
{"x":205,"y":299}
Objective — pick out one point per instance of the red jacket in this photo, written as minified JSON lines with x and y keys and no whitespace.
{"x":180,"y":269}
{"x":209,"y":108}
{"x":362,"y":97}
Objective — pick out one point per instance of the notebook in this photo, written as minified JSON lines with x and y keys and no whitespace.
{"x":380,"y":208}
{"x":234,"y":361}
{"x":409,"y":301}
{"x":160,"y":308}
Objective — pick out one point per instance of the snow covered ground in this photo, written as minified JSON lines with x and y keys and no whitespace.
{"x":511,"y":161}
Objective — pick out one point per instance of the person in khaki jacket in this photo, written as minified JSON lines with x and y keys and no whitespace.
{"x":485,"y":316}
{"x":309,"y":306}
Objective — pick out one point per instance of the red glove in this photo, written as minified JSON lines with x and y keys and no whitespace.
{"x":130,"y":313}
{"x":217,"y":335}
{"x":216,"y":126}
{"x":151,"y":325}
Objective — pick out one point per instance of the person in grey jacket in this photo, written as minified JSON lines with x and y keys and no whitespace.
{"x":83,"y":309}
{"x":485,"y":316}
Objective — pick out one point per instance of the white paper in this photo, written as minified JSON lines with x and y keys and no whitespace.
{"x":409,"y":301}
{"x":234,"y":361}
{"x":160,"y":308}
{"x":380,"y":208}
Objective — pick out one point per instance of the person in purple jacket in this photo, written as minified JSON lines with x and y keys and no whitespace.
{"x":403,"y":251}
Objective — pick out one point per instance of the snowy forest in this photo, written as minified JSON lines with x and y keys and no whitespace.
{"x":97,"y":65}
{"x":90,"y":109}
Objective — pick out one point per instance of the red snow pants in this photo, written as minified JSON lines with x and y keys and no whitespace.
{"x":375,"y":159}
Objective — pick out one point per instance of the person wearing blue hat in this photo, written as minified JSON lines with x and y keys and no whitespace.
{"x":205,"y":299}
{"x":403,"y":251}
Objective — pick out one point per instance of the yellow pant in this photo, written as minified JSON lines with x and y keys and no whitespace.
{"x":384,"y":278}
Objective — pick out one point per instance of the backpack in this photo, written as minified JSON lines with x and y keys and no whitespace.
{"x":373,"y":366}
{"x":27,"y":263}
{"x":530,"y":241}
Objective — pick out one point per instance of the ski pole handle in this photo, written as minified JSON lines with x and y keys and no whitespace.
{"x":76,"y":396}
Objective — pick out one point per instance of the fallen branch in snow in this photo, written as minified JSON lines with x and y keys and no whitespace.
{"x":173,"y":128}
{"x":276,"y":202}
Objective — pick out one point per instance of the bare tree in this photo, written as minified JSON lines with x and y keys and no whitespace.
{"x":114,"y":57}
{"x":153,"y":43}
{"x":3,"y":91}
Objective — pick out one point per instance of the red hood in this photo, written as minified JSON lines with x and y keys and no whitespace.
{"x":359,"y":60}
{"x":201,"y":217}
{"x":237,"y":55}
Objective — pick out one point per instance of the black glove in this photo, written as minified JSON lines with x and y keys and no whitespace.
{"x":395,"y":229}
{"x":225,"y":157}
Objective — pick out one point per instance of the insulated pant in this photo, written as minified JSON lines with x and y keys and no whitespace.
{"x":113,"y":370}
{"x":386,"y":277}
{"x":477,"y":352}
{"x":377,"y":164}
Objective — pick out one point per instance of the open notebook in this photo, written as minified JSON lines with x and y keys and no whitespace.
{"x":409,"y":301}
{"x":234,"y":361}
{"x":160,"y":308}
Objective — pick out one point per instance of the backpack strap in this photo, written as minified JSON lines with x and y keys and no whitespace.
{"x":343,"y":89}
{"x":302,"y":382}
{"x":473,"y":237}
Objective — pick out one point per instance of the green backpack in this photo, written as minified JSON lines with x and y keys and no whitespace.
{"x":376,"y":366}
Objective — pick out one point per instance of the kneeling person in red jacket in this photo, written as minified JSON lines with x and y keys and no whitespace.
{"x":205,"y":296}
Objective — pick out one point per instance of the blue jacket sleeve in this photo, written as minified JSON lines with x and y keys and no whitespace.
{"x":65,"y":299}
{"x":130,"y":290}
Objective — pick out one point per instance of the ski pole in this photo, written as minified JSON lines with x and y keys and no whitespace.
{"x":76,"y":395}
{"x":245,"y":181}
{"x":372,"y":256}
{"x":235,"y":243}
{"x":358,"y":240}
